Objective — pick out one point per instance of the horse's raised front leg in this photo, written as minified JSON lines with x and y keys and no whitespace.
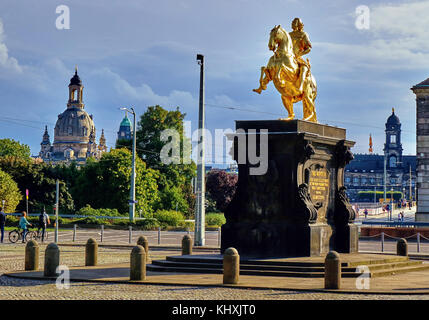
{"x":263,"y":80}
{"x":288,"y":103}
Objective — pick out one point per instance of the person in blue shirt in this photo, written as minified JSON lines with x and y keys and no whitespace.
{"x":23,"y":222}
{"x":2,"y":223}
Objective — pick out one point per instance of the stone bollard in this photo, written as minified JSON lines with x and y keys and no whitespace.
{"x":142,"y":241}
{"x":231,"y":266}
{"x":52,"y":260}
{"x":91,"y":252}
{"x":138,"y":263}
{"x":32,"y":255}
{"x":332,"y":270}
{"x":402,"y":247}
{"x":186,"y":245}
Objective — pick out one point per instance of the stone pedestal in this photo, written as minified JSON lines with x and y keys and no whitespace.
{"x":421,"y":91}
{"x":290,"y":199}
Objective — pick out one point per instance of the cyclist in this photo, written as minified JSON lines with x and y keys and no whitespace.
{"x":43,"y":221}
{"x":23,"y":222}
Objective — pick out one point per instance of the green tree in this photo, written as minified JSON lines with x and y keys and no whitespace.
{"x":12,"y":148}
{"x":106,"y":183}
{"x":9,"y":192}
{"x":123,"y":143}
{"x":41,"y":183}
{"x":175,"y":178}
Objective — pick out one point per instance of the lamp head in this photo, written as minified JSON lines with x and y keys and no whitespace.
{"x":200,"y":58}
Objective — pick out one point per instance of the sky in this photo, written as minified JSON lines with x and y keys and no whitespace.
{"x":140,"y":53}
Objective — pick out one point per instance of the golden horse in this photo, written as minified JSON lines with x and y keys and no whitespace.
{"x":284,"y":70}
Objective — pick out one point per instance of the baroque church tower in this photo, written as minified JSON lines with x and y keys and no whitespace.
{"x":74,"y":132}
{"x":393,"y":146}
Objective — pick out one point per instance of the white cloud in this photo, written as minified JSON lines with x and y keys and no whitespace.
{"x":409,"y":19}
{"x":397,"y":40}
{"x":7,"y":62}
{"x":144,"y":93}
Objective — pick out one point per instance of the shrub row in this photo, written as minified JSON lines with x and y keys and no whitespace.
{"x":162,"y":218}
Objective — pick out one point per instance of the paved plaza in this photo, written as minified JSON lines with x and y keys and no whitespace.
{"x":198,"y":287}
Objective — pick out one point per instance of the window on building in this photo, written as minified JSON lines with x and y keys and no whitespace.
{"x":393,"y":139}
{"x":392,"y":162}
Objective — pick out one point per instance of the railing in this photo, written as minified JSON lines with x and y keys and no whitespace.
{"x":383,"y":235}
{"x":396,"y":223}
{"x":78,"y":216}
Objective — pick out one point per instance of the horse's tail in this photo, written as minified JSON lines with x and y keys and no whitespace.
{"x":309,"y":65}
{"x":313,"y":86}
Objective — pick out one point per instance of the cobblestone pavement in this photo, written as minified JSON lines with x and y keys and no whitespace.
{"x":12,"y":259}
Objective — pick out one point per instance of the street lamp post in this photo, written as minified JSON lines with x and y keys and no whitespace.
{"x":57,"y":206}
{"x":132,"y":201}
{"x":391,"y":203}
{"x":200,"y":186}
{"x":385,"y":178}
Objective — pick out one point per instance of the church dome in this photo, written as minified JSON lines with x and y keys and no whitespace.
{"x":75,"y":80}
{"x":125,"y":122}
{"x":74,"y":124}
{"x":393,"y":120}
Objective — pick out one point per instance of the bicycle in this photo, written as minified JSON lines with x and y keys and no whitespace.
{"x":37,"y":234}
{"x":16,"y":235}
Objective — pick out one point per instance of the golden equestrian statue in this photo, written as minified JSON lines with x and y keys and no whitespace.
{"x":288,"y":70}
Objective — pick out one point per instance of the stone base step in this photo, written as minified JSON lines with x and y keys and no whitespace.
{"x":214,"y":264}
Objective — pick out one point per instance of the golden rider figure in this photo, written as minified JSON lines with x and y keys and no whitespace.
{"x":301,"y":46}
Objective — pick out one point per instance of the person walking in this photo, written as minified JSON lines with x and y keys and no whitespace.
{"x":23,"y":222}
{"x":43,"y":222}
{"x":2,"y":223}
{"x":366,"y":213}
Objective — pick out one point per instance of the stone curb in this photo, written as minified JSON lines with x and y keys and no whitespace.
{"x":220,"y":285}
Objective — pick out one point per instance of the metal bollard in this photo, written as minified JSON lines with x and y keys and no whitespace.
{"x":102,"y":233}
{"x":382,"y":242}
{"x":32,"y":255}
{"x":142,"y":241}
{"x":332,"y":270}
{"x":402,"y":247}
{"x":52,"y":260}
{"x":186,"y":245}
{"x":231,"y":266}
{"x":159,"y":235}
{"x":74,"y":233}
{"x":418,"y":241}
{"x":130,"y":234}
{"x":138,"y":263}
{"x":91,"y":252}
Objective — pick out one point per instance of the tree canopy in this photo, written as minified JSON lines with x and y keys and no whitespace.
{"x":41,"y":183}
{"x":221,"y":186}
{"x":175,"y":179}
{"x":106,"y":183}
{"x":9,"y":192}
{"x":12,"y":148}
